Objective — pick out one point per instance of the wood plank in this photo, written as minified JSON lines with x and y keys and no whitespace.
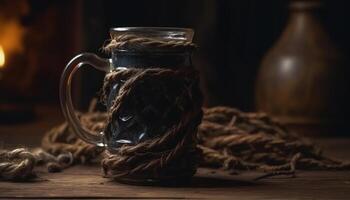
{"x":87,"y":182}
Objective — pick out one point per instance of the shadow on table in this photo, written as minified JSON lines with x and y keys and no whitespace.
{"x":213,"y":182}
{"x":195,"y":182}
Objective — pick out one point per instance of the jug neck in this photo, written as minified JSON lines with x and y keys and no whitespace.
{"x":303,"y":19}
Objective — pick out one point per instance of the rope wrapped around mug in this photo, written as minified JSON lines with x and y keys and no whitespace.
{"x":133,"y":42}
{"x":174,"y":153}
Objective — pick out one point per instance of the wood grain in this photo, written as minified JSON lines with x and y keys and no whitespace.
{"x":86,"y":182}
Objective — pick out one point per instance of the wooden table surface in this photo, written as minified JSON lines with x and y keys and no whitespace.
{"x":86,"y":182}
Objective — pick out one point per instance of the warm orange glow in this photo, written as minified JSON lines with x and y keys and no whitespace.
{"x":2,"y":57}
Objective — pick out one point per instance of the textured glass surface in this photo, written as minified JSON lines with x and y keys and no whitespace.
{"x":151,"y":117}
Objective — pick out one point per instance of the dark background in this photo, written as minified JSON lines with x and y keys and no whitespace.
{"x":232,"y":37}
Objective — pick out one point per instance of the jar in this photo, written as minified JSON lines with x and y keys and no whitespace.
{"x":303,"y":80}
{"x":151,"y":90}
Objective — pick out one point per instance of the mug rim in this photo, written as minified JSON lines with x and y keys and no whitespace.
{"x":149,"y":28}
{"x":162,"y":33}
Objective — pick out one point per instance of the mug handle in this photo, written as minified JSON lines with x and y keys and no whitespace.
{"x":66,"y":98}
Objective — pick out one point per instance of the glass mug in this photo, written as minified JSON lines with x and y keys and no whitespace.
{"x":121,"y":59}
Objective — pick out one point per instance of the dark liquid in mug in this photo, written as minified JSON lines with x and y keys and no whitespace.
{"x":151,"y":112}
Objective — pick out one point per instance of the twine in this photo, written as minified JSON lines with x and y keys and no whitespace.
{"x":156,"y":158}
{"x":290,"y":153}
{"x":137,"y":43}
{"x":227,"y":138}
{"x":179,"y":89}
{"x":268,"y":146}
{"x":17,"y":164}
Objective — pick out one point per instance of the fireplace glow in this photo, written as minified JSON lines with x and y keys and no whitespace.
{"x":2,"y":57}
